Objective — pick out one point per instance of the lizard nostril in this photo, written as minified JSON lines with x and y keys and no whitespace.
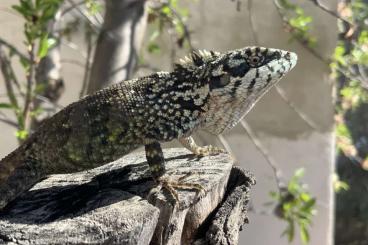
{"x":287,"y":56}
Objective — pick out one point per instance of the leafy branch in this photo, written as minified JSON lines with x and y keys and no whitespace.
{"x":350,"y":67}
{"x":299,"y":25}
{"x":296,"y":206}
{"x":36,"y":15}
{"x":294,"y":203}
{"x":167,"y":15}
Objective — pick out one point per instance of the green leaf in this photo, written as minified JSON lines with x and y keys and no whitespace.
{"x":291,"y":231}
{"x":339,"y":55}
{"x":21,"y":134}
{"x":343,"y":131}
{"x":305,"y":197}
{"x":166,"y":10}
{"x":44,"y":47}
{"x":310,"y":204}
{"x":153,"y":48}
{"x":6,"y":106}
{"x":299,"y":173}
{"x":36,"y":112}
{"x":93,"y":6}
{"x":286,"y":207}
{"x":304,"y":234}
{"x":21,"y":10}
{"x":154,"y":36}
{"x":24,"y":62}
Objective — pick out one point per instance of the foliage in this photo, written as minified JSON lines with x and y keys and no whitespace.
{"x":298,"y":24}
{"x":296,"y":206}
{"x":349,"y":65}
{"x":93,"y":6}
{"x":36,"y":15}
{"x":168,"y":16}
{"x":339,"y":185}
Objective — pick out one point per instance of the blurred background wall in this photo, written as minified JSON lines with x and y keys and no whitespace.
{"x":293,"y":123}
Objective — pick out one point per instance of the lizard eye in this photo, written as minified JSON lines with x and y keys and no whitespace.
{"x":219,"y":81}
{"x":255,"y":60}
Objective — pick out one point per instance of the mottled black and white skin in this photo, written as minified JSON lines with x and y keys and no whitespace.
{"x":208,"y":91}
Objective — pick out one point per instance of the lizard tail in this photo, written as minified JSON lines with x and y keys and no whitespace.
{"x":16,"y":176}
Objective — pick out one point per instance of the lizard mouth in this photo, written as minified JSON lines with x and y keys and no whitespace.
{"x":291,"y":58}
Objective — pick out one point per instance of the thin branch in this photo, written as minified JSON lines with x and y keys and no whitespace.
{"x":29,"y":90}
{"x":279,"y":90}
{"x":38,"y":97}
{"x":8,"y":78}
{"x":331,"y":12}
{"x":226,"y":145}
{"x":300,"y":113}
{"x":74,"y":47}
{"x":363,"y":73}
{"x":73,"y":61}
{"x":99,"y":18}
{"x":85,"y":14}
{"x":187,"y":34}
{"x":72,"y":7}
{"x":9,"y":122}
{"x":13,"y":48}
{"x":6,"y":120}
{"x":291,"y":29}
{"x":265,"y":154}
{"x":87,"y":67}
{"x":251,"y":22}
{"x":349,"y":74}
{"x":149,"y":67}
{"x":48,"y":101}
{"x":172,"y":46}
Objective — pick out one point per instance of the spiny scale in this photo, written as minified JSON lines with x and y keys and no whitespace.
{"x":202,"y":54}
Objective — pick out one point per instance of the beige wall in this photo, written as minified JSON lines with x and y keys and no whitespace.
{"x":217,"y":25}
{"x":288,"y":139}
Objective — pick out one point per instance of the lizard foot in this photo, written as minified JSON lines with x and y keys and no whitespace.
{"x":209,"y":150}
{"x":172,"y":185}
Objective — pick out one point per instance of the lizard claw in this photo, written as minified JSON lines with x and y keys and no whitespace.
{"x":171,"y":186}
{"x":208,"y":150}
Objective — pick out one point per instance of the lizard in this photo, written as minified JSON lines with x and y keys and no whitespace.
{"x":208,"y":91}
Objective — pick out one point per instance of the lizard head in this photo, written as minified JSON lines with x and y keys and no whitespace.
{"x":236,"y":80}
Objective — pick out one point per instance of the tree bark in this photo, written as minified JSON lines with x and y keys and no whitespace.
{"x":119,"y":203}
{"x":118,"y":43}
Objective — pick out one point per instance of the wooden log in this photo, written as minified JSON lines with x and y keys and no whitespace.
{"x":119,"y":203}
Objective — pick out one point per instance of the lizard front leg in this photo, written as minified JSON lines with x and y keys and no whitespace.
{"x":189,"y":143}
{"x":156,"y":162}
{"x":155,"y":159}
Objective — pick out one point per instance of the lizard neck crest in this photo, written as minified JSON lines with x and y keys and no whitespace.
{"x":196,"y":59}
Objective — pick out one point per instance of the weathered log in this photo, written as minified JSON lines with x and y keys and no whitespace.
{"x":119,"y":203}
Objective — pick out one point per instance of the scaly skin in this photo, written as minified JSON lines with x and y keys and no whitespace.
{"x":209,"y":91}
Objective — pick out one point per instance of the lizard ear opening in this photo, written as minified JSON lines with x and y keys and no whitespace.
{"x":219,"y":81}
{"x":238,"y":68}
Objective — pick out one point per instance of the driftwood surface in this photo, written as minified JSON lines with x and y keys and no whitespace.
{"x":119,"y":203}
